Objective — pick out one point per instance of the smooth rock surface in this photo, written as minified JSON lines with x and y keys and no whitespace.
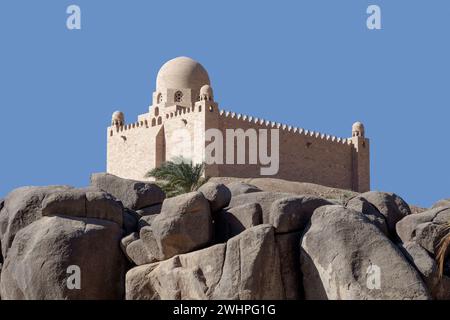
{"x":345,"y":257}
{"x":36,"y":267}
{"x":217,"y":194}
{"x":293,"y":213}
{"x":247,"y":267}
{"x":133,"y":194}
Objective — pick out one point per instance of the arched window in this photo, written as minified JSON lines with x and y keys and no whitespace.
{"x":178,"y":96}
{"x":153,"y":122}
{"x":156,"y":111}
{"x":159,"y":120}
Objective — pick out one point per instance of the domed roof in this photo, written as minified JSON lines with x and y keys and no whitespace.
{"x":118,"y":118}
{"x":358,"y":129}
{"x":358,"y":126}
{"x":118,"y":115}
{"x":182,"y":73}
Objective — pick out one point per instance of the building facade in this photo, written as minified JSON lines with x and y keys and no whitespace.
{"x":184,"y":120}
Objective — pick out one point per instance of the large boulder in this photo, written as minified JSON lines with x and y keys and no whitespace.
{"x":134,"y":249}
{"x":217,"y":194}
{"x":134,"y":194}
{"x":138,"y":254}
{"x":362,"y":205}
{"x":229,"y":223}
{"x":264,"y":199}
{"x":38,"y":265}
{"x":247,"y":267}
{"x":22,"y":207}
{"x":237,"y":187}
{"x":184,"y":225}
{"x":425,"y":228}
{"x":390,"y":205}
{"x":344,"y":256}
{"x":293,"y":213}
{"x":427,"y":266}
{"x":292,"y":187}
{"x":83,"y":203}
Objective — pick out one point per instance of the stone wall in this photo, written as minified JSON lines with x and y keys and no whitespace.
{"x":304,"y":155}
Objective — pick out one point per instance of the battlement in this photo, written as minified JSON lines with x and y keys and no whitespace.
{"x":154,"y":121}
{"x":287,"y":128}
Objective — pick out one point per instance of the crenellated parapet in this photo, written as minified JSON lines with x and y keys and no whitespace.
{"x":152,"y":121}
{"x":283,"y":127}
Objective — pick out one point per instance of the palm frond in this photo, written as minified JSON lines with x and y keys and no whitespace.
{"x":443,"y":249}
{"x":178,"y":176}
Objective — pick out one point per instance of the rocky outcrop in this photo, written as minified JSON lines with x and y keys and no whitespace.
{"x":291,"y":187}
{"x":236,"y":188}
{"x":421,"y":234}
{"x":293,"y":213}
{"x":134,"y":195}
{"x":184,"y":225}
{"x":425,"y":228}
{"x":264,"y":199}
{"x":38,"y":263}
{"x":362,"y":205}
{"x":83,"y":203}
{"x":217,"y":194}
{"x":271,"y":239}
{"x":22,"y":207}
{"x":229,"y":223}
{"x":344,"y":256}
{"x":390,"y":205}
{"x":247,"y":267}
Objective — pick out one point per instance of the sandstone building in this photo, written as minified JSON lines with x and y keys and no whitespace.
{"x":184,"y":107}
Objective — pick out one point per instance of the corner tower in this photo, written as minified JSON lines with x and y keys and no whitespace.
{"x":360,"y":159}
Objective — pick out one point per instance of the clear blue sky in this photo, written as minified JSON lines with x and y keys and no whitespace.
{"x":311,"y":64}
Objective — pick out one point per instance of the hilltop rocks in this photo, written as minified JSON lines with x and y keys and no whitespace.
{"x":247,"y":267}
{"x":362,"y":205}
{"x":236,"y":188}
{"x":83,"y":203}
{"x":36,"y":266}
{"x":217,"y":194}
{"x":344,"y":256}
{"x":230,"y":222}
{"x":265,"y":200}
{"x":134,"y":195}
{"x":22,"y":207}
{"x":290,"y":187}
{"x":223,"y":242}
{"x":424,"y":228}
{"x":184,"y":225}
{"x":390,"y":205}
{"x":293,"y":213}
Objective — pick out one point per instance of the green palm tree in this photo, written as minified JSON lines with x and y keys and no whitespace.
{"x":178,"y":176}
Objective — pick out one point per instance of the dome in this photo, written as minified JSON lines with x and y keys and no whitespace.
{"x":206,"y":93}
{"x":182,"y":73}
{"x":358,"y":129}
{"x":118,"y":118}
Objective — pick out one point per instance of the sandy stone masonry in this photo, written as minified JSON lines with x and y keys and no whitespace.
{"x":183,"y":102}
